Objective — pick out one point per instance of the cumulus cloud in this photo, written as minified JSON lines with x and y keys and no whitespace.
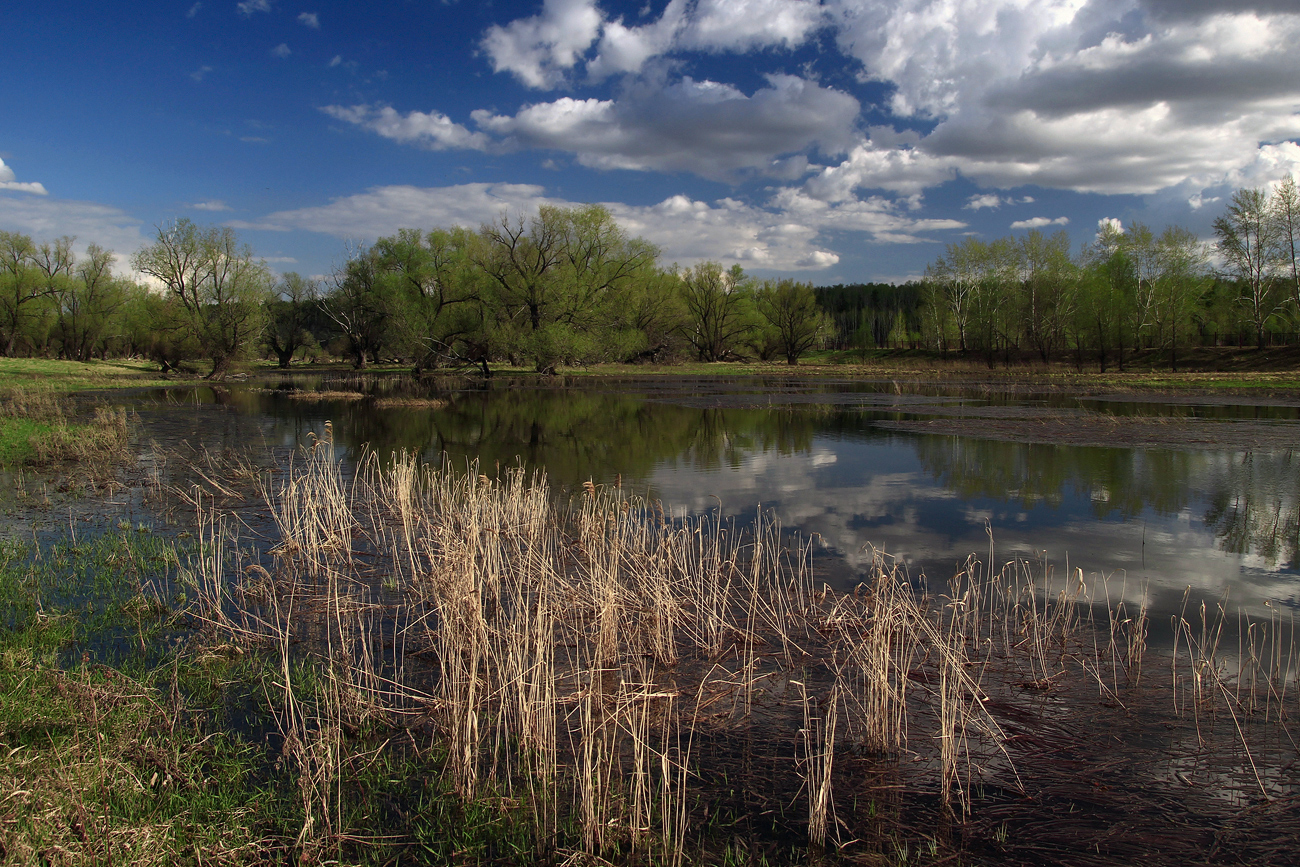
{"x":905,"y":170}
{"x":194,"y":10}
{"x":248,"y":7}
{"x":384,"y":210}
{"x":200,"y":73}
{"x":1040,"y":222}
{"x":711,"y":129}
{"x":540,"y":50}
{"x":213,"y":205}
{"x":309,"y":19}
{"x":1121,"y":96}
{"x":984,"y":200}
{"x":281,"y":50}
{"x":704,"y":127}
{"x":434,"y":131}
{"x":9,"y":181}
{"x":725,"y":25}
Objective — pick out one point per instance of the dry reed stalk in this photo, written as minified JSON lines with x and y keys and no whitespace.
{"x":880,"y":657}
{"x":818,"y":760}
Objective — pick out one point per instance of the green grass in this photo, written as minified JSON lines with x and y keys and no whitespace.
{"x":60,"y":376}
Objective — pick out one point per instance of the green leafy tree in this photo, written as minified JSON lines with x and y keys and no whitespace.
{"x":962,"y":272}
{"x":791,"y":311}
{"x":293,"y":315}
{"x":555,"y":277}
{"x":20,"y":287}
{"x":719,"y":307}
{"x":217,"y":281}
{"x":1048,"y":284}
{"x":1180,"y":285}
{"x":1284,"y":208}
{"x":362,"y":306}
{"x":88,"y":304}
{"x":434,"y":281}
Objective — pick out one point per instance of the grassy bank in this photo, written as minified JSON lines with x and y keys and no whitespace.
{"x":41,"y":426}
{"x":61,"y":377}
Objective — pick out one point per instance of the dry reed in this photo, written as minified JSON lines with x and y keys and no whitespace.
{"x":573,"y":656}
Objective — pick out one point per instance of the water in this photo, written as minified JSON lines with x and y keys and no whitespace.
{"x":1147,"y":497}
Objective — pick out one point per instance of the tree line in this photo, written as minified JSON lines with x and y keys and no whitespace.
{"x":566,"y":286}
{"x":1130,"y":289}
{"x":569,"y":286}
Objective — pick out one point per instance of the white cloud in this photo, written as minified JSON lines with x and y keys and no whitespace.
{"x":906,"y":170}
{"x":200,"y":73}
{"x":384,"y":210}
{"x":213,"y":205}
{"x":784,"y":236}
{"x":45,"y":219}
{"x":742,"y":25}
{"x":542,"y":49}
{"x":309,"y":19}
{"x":336,"y":60}
{"x":1199,"y":201}
{"x":1040,"y":222}
{"x":194,"y":10}
{"x":433,"y":130}
{"x":985,"y":200}
{"x":884,"y":220}
{"x":704,"y":127}
{"x":248,"y":7}
{"x":1109,"y":224}
{"x":1109,"y":96}
{"x":281,"y":50}
{"x":9,"y":181}
{"x":689,"y":231}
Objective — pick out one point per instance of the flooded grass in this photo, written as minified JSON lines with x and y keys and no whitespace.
{"x":40,"y":429}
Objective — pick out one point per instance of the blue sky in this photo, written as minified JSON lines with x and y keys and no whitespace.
{"x":834,"y":141}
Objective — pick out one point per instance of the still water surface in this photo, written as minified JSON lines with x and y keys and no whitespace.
{"x":1205,"y":494}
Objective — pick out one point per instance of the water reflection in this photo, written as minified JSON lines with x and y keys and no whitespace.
{"x":1150,"y":521}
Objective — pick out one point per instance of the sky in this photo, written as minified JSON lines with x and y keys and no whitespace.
{"x":832,"y":141}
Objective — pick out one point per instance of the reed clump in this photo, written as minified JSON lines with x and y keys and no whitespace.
{"x":617,"y":678}
{"x":41,"y":428}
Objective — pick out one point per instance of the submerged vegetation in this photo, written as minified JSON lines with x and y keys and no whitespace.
{"x":424,"y":663}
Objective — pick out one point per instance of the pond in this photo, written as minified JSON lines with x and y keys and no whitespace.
{"x":1147,"y":495}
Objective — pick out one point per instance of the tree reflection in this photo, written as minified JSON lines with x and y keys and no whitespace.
{"x":629,"y":430}
{"x":1257,"y":511}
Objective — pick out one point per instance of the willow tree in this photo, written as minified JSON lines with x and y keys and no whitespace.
{"x":217,"y":281}
{"x":792,"y":312}
{"x":87,"y":303}
{"x":555,"y":276}
{"x":719,"y":309}
{"x":434,"y":283}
